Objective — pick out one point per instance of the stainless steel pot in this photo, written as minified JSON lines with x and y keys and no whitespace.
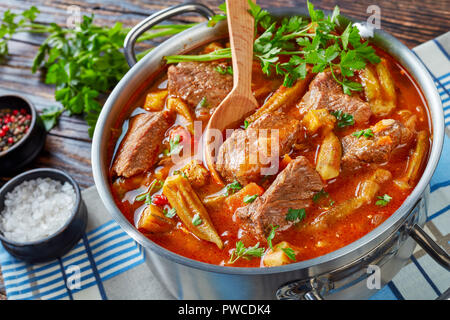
{"x":339,"y":274}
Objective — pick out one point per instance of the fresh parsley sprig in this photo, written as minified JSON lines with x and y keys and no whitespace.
{"x":247,"y":253}
{"x":367,"y":133}
{"x":295,"y":215}
{"x":343,"y":119}
{"x":383,"y":200}
{"x":84,"y":63}
{"x":233,"y":187}
{"x":312,"y":46}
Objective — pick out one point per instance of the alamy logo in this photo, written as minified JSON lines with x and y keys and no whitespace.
{"x":374,"y":280}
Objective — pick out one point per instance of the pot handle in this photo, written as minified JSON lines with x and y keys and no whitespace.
{"x":156,"y":18}
{"x":430,"y":247}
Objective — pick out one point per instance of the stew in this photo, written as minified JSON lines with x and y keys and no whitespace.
{"x":348,"y":140}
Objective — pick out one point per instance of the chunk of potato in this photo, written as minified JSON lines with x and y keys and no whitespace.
{"x":155,"y":100}
{"x":196,"y":174}
{"x":179,"y":106}
{"x":317,"y":119}
{"x":153,"y":220}
{"x":277,"y":257}
{"x":329,"y":158}
{"x":190,"y":209}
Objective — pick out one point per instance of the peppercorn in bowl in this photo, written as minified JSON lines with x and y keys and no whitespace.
{"x":22,"y":133}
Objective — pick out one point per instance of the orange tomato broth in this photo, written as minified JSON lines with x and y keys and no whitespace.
{"x":310,"y":244}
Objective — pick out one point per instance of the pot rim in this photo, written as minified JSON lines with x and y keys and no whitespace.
{"x":311,"y":267}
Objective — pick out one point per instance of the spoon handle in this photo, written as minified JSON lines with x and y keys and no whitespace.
{"x":241,"y":30}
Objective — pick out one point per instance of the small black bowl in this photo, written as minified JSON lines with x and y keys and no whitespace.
{"x":27,"y":148}
{"x":60,"y":242}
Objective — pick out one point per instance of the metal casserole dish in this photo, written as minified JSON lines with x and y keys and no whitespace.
{"x":337,"y":275}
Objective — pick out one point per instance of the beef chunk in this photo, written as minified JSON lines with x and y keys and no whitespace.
{"x":193,"y":81}
{"x":293,"y":188}
{"x":388,"y":134}
{"x":325,"y":93}
{"x":245,"y":154}
{"x":141,"y":145}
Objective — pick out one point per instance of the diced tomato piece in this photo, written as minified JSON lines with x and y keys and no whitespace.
{"x":160,"y":200}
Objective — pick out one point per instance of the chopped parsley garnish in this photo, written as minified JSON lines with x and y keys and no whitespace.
{"x":302,"y":44}
{"x":246,"y":124}
{"x":147,"y":197}
{"x":295,"y":215}
{"x":271,"y":235}
{"x":170,"y":213}
{"x":181,"y":173}
{"x":247,"y":253}
{"x":196,"y":220}
{"x":203,"y":103}
{"x":343,"y":119}
{"x":319,"y":195}
{"x":224,"y":70}
{"x":290,"y":253}
{"x":384,"y":200}
{"x":249,"y":199}
{"x":175,"y":146}
{"x":233,"y":187}
{"x":366,"y":133}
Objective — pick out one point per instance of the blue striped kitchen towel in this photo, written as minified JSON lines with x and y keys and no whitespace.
{"x":422,"y":278}
{"x":111,"y":264}
{"x":96,"y":268}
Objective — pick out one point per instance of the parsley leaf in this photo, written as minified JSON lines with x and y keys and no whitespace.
{"x":196,"y":220}
{"x":50,"y":116}
{"x":147,"y":196}
{"x":321,"y":194}
{"x":224,"y":70}
{"x":344,"y":119}
{"x":247,"y":253}
{"x":249,"y":199}
{"x":170,"y":213}
{"x":366,"y":133}
{"x":271,"y":235}
{"x":290,"y":253}
{"x":175,"y":146}
{"x":384,"y":200}
{"x":233,"y":187}
{"x":295,"y":215}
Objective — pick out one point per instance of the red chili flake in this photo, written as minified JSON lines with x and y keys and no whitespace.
{"x":2,"y":133}
{"x":28,"y":116}
{"x":15,"y":112}
{"x":160,"y":200}
{"x":10,"y":140}
{"x":5,"y":128}
{"x":23,"y":111}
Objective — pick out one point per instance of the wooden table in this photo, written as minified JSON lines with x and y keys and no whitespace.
{"x":68,"y":146}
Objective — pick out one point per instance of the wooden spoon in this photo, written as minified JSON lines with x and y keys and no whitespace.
{"x":240,"y":102}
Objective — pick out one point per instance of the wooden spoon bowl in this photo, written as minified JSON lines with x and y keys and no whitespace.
{"x":240,"y":102}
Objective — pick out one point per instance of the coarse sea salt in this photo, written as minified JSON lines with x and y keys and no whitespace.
{"x":36,"y":209}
